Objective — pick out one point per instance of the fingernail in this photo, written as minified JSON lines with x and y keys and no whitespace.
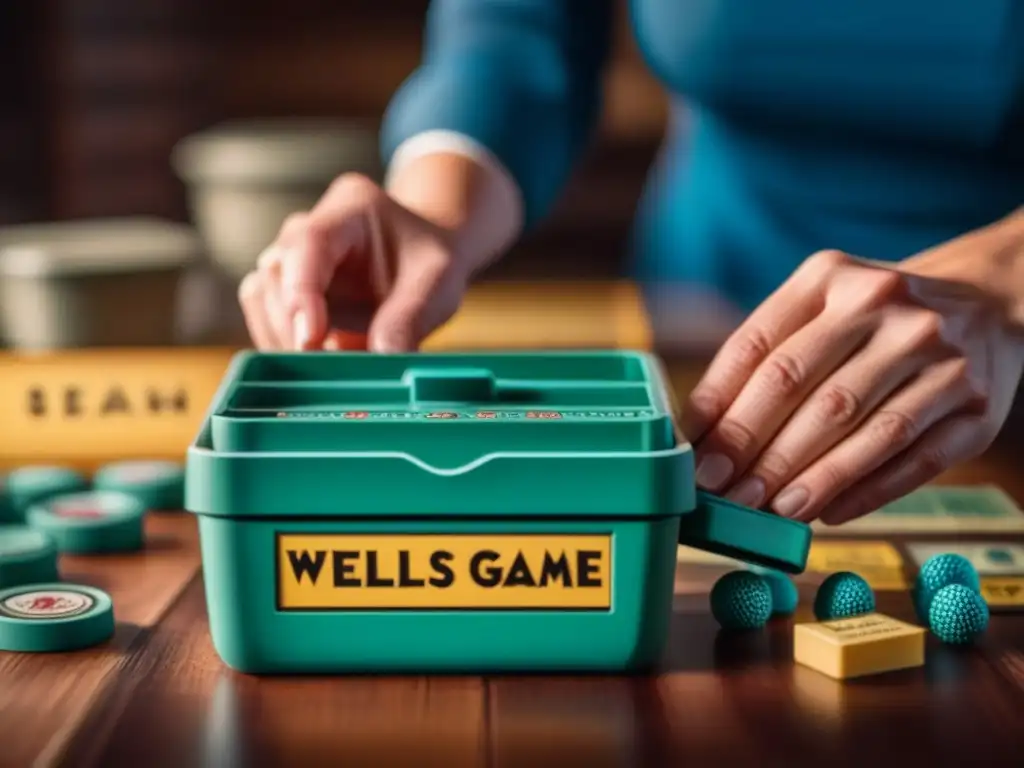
{"x":790,"y":501}
{"x":269,"y":258}
{"x":714,"y":471}
{"x":749,"y":493}
{"x":300,"y":326}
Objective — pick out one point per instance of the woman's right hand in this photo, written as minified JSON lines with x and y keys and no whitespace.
{"x":358,"y":263}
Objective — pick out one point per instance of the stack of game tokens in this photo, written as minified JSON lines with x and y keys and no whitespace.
{"x":91,"y":522}
{"x":38,"y":613}
{"x":104,"y":516}
{"x":159,"y":485}
{"x":49,"y":510}
{"x":58,"y":502}
{"x":29,"y":485}
{"x":27,"y":556}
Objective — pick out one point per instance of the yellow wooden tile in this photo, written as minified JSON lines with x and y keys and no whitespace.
{"x":548,"y":315}
{"x":883,"y":579}
{"x":877,"y":562}
{"x":88,"y":407}
{"x":863,"y":645}
{"x":831,"y":556}
{"x":1003,"y":591}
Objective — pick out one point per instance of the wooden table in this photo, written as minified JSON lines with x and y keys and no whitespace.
{"x":157,"y":695}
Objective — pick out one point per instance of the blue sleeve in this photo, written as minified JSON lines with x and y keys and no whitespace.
{"x":521,"y":77}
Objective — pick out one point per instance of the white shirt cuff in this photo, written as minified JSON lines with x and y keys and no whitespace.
{"x":454,"y":143}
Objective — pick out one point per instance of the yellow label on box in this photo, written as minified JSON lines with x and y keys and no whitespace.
{"x":494,"y":572}
{"x":1003,"y":591}
{"x":85,"y":407}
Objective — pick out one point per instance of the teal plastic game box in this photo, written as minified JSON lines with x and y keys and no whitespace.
{"x":440,"y":512}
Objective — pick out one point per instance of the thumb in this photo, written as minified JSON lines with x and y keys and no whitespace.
{"x":397,"y":326}
{"x":413,"y":308}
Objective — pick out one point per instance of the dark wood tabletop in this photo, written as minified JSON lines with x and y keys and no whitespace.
{"x":157,"y":694}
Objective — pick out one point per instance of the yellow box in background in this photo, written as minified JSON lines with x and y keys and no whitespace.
{"x":554,"y":315}
{"x":877,"y":562}
{"x":1003,"y":592}
{"x":89,"y":407}
{"x":85,"y":408}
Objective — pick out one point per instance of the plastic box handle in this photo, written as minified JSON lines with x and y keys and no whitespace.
{"x":450,"y":385}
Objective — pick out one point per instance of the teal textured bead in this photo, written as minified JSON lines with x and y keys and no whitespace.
{"x":785,"y":596}
{"x":958,"y":615}
{"x":842,"y":595}
{"x":940,"y":571}
{"x":741,"y":600}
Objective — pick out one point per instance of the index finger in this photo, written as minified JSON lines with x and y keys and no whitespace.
{"x":333,"y":229}
{"x":307,"y":268}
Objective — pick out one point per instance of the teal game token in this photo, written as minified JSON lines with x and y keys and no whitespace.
{"x":26,"y":557}
{"x":91,"y":522}
{"x":749,"y":535}
{"x":741,"y":600}
{"x":30,"y":485}
{"x":937,"y":572}
{"x":843,"y":595}
{"x":46,"y":618}
{"x":958,"y":615}
{"x":785,"y":596}
{"x":159,"y":485}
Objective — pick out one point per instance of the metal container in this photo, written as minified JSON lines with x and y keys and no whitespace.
{"x":245,"y":178}
{"x":93,"y":283}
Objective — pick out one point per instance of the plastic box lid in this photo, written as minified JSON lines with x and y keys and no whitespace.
{"x":518,"y":433}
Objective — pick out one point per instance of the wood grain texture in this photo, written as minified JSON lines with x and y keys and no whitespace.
{"x":178,"y":705}
{"x":44,"y":698}
{"x":721,"y":699}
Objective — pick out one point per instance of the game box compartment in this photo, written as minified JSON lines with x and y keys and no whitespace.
{"x":524,"y":455}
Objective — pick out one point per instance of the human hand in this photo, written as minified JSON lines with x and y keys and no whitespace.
{"x":852,"y":385}
{"x":357,"y":263}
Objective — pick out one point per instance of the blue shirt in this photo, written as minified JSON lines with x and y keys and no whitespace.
{"x":879,"y":127}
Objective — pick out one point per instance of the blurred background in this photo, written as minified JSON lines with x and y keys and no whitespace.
{"x":95,"y":96}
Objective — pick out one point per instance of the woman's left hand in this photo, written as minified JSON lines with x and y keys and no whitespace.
{"x":852,"y":385}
